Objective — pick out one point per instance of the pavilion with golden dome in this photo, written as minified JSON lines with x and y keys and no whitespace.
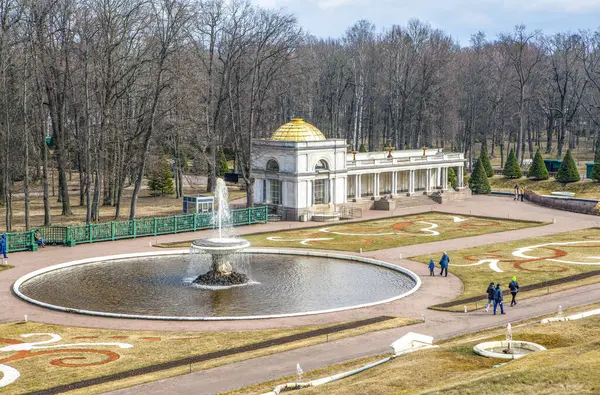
{"x":298,"y":170}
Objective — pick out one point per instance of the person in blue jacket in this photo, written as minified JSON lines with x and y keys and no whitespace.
{"x":444,"y":263}
{"x":498,"y":299}
{"x":431,"y":267}
{"x":3,"y":246}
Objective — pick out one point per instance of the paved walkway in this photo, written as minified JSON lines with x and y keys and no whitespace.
{"x":434,"y":290}
{"x":440,"y":326}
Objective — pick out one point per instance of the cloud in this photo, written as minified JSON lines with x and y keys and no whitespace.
{"x":553,"y":6}
{"x":330,"y":4}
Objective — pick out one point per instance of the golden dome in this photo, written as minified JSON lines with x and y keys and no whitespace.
{"x":297,"y":130}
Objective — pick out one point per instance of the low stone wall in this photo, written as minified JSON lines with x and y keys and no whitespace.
{"x":449,"y":196}
{"x":584,"y":206}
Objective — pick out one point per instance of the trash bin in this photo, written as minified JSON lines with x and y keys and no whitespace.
{"x":304,"y":217}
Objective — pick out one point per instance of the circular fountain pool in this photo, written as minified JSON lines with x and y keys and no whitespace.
{"x":159,"y":286}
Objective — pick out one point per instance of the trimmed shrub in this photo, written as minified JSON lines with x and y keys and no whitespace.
{"x":538,"y":170}
{"x":484,"y":158}
{"x":160,"y":179}
{"x":568,"y":170}
{"x":512,"y":168}
{"x":479,"y":182}
{"x":452,"y":179}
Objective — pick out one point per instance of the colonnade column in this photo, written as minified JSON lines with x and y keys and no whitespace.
{"x":376,"y":185}
{"x":461,"y":177}
{"x":394,"y":183}
{"x":357,"y":187}
{"x":427,"y":180}
{"x":444,"y":178}
{"x":411,"y":182}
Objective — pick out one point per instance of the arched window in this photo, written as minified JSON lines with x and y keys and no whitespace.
{"x":272,"y":165}
{"x":321,"y":166}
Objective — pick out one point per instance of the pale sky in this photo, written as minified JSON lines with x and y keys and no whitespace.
{"x":459,"y":18}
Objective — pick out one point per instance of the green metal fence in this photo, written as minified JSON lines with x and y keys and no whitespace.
{"x":79,"y":234}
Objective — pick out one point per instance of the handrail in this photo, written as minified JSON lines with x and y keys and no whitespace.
{"x":129,"y":229}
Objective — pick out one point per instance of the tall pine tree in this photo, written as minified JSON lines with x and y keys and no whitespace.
{"x":160,"y":179}
{"x":484,"y":158}
{"x":222,"y":165}
{"x":568,"y":170}
{"x":538,"y":170}
{"x":479,"y":182}
{"x":512,"y":168}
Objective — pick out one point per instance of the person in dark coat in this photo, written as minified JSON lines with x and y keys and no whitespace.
{"x":498,"y":299}
{"x":514,"y":289}
{"x":3,"y":246}
{"x":516,"y":192}
{"x":444,"y":262}
{"x":431,"y":267}
{"x":490,"y":295}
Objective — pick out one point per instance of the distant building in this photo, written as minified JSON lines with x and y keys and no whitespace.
{"x":298,"y":168}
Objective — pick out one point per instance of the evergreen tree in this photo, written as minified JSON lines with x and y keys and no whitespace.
{"x":160,"y":180}
{"x":511,"y":167}
{"x":452,"y":179}
{"x":597,"y":156}
{"x":568,"y":170}
{"x":479,"y":182}
{"x":222,"y":166}
{"x":362,"y":148}
{"x":538,"y":170}
{"x":596,"y":172}
{"x":485,"y":160}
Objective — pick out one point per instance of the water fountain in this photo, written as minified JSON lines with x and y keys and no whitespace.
{"x":158,"y":284}
{"x":509,"y":349}
{"x":222,"y":249}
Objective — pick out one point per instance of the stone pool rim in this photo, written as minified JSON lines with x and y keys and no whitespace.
{"x":350,"y":258}
{"x":484,"y":349}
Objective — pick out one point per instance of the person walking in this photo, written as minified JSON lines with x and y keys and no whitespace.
{"x":514,"y":289}
{"x":522,"y":193}
{"x":490,"y":295}
{"x":431,"y":267}
{"x":444,"y":262}
{"x":498,"y":299}
{"x":3,"y":246}
{"x":516,"y":192}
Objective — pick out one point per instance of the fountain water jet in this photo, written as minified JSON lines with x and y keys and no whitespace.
{"x":222,"y":249}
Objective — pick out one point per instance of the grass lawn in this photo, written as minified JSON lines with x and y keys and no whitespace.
{"x":387,"y":233}
{"x":5,"y":267}
{"x":567,"y":367}
{"x":46,"y":368}
{"x":582,"y":189}
{"x":530,"y":266}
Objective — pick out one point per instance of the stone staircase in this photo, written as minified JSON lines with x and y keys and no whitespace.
{"x":414,"y":201}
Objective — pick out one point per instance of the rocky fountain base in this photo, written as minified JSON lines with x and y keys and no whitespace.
{"x":222,"y":271}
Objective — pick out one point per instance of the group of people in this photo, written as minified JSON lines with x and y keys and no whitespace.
{"x":519,"y":192}
{"x":494,"y":295}
{"x":444,"y":262}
